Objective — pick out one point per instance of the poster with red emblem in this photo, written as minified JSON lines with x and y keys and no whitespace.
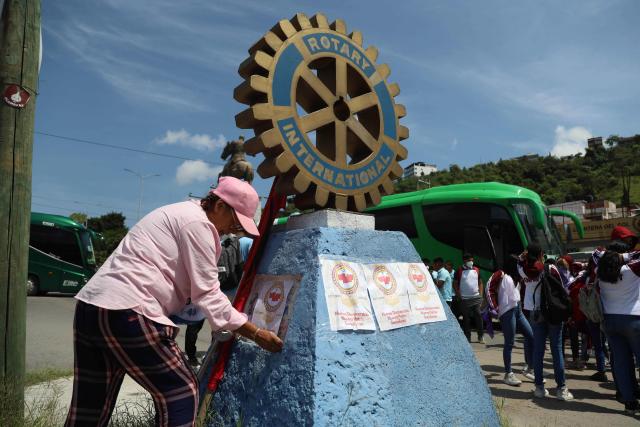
{"x":423,"y":295}
{"x":389,"y":296}
{"x":271,"y":296}
{"x":345,"y":290}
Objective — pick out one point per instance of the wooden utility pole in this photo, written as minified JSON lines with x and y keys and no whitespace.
{"x":19,"y":59}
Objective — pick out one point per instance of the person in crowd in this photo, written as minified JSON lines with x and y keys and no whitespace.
{"x":427,"y":263}
{"x":456,"y":304}
{"x":122,"y":320}
{"x":626,"y":237}
{"x":619,"y":283}
{"x":531,"y":269}
{"x":584,"y":279}
{"x":443,"y":281}
{"x":469,"y":289}
{"x":503,"y":298}
{"x":242,"y":245}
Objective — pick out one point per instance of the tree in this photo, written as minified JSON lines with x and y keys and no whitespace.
{"x":79,"y":217}
{"x":112,"y":229}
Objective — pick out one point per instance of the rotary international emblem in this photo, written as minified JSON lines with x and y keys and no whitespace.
{"x":384,"y":280}
{"x":274,"y":297}
{"x":345,"y":279}
{"x":323,"y":113}
{"x":417,"y":278}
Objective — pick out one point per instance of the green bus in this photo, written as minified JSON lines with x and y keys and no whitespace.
{"x":61,"y":257}
{"x":490,"y":220}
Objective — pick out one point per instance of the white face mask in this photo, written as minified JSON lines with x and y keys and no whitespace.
{"x":468,"y":264}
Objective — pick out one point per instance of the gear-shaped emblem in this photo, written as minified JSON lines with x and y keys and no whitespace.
{"x":323,"y":114}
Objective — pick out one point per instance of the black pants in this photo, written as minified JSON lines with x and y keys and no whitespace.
{"x":190,"y":338}
{"x":471,"y":310}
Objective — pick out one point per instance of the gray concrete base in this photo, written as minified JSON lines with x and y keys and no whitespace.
{"x":331,"y":218}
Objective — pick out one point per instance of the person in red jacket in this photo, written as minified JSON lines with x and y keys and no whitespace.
{"x":626,"y":237}
{"x":531,"y":269}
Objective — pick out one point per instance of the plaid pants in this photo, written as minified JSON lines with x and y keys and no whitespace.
{"x":110,"y":343}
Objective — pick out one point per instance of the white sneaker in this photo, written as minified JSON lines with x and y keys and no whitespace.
{"x":510,"y":379}
{"x":540,"y":392}
{"x":528,"y":374}
{"x":563,"y":393}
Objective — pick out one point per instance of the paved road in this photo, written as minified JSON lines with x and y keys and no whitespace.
{"x":50,"y":333}
{"x":594,"y":403}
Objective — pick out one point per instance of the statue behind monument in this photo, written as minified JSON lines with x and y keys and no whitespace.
{"x":237,"y":166}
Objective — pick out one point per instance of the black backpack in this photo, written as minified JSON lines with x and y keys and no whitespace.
{"x":230,"y":264}
{"x":555,"y":303}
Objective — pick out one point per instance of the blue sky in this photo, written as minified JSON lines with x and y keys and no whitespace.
{"x":480,"y":80}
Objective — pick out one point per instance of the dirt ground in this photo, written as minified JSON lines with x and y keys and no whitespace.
{"x":594,"y":403}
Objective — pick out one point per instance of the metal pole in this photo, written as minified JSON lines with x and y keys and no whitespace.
{"x":141,"y":178}
{"x":140,"y":197}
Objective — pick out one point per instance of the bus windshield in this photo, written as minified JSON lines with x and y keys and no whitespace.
{"x":547,"y":240}
{"x":87,"y":247}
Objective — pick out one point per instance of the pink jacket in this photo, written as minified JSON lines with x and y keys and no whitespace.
{"x":167,"y":258}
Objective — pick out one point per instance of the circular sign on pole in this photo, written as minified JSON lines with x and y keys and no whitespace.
{"x":323,"y":114}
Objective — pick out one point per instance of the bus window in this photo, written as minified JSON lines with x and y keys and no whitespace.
{"x":87,"y":247}
{"x":547,"y":241}
{"x":60,"y":244}
{"x":446,"y":223}
{"x":396,"y":219}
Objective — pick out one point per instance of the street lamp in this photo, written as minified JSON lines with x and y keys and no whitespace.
{"x":142,"y":178}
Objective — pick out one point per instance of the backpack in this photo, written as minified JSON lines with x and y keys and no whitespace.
{"x":555,"y":303}
{"x":590,"y":303}
{"x":230,"y":264}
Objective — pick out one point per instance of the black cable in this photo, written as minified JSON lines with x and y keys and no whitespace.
{"x":120,"y":147}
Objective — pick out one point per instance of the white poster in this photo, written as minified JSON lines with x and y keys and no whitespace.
{"x":271,"y":294}
{"x":389,"y":296}
{"x":345,"y":290}
{"x":423,"y":295}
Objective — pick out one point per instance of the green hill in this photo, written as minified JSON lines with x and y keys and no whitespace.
{"x":598,"y":174}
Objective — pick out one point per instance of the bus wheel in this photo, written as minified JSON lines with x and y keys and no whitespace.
{"x":32,"y":286}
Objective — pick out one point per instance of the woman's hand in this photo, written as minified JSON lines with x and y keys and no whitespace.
{"x":264,"y":338}
{"x":268,"y":340}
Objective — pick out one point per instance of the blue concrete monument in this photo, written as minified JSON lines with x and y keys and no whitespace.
{"x":423,"y":374}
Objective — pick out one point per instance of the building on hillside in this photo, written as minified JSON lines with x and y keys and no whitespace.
{"x":529,"y":156}
{"x":629,"y":140}
{"x":600,"y":209}
{"x":578,"y":207}
{"x":419,"y":169}
{"x":595,"y":142}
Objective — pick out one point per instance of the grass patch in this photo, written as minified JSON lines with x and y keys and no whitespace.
{"x":45,"y":375}
{"x":504,"y":420}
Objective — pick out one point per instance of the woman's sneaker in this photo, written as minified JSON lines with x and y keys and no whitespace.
{"x":631,"y":408}
{"x":528,"y":374}
{"x":540,"y":392}
{"x":510,"y":379}
{"x":563,"y":393}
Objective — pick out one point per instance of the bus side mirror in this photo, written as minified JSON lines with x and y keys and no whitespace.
{"x":478,"y":242}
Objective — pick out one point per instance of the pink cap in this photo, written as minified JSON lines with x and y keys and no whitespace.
{"x":241,"y":196}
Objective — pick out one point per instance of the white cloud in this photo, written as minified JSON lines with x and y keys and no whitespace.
{"x":202,"y":142}
{"x":570,"y":141}
{"x":196,"y":171}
